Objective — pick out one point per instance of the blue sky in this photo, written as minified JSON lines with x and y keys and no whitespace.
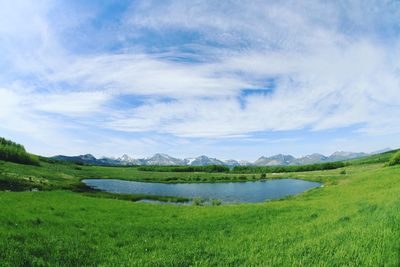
{"x":229,"y":79}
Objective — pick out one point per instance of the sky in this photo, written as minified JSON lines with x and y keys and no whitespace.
{"x":227,"y":79}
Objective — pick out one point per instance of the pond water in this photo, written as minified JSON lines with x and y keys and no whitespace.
{"x":230,"y":192}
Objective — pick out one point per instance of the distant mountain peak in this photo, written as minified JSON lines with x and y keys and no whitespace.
{"x":341,"y":153}
{"x":162,"y":155}
{"x":88,"y":156}
{"x":279,"y":159}
{"x":165,"y":159}
{"x":386,"y":149}
{"x":345,"y":155}
{"x":204,"y":160}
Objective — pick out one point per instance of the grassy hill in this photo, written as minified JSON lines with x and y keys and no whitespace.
{"x":353,"y":220}
{"x":378,"y":158}
{"x":10,"y":151}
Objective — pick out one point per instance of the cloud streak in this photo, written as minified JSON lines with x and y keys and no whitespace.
{"x":201,"y":70}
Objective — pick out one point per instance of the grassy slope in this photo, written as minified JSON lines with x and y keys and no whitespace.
{"x":64,"y":175}
{"x":377,"y":158}
{"x":353,"y":220}
{"x":67,"y":176}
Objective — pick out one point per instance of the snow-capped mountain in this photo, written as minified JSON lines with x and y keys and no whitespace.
{"x":204,"y":160}
{"x":276,"y":160}
{"x":343,"y":155}
{"x":164,"y":159}
{"x":127,"y":160}
{"x":310,"y":159}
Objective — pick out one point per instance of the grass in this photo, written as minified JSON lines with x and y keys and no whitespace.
{"x":50,"y":176}
{"x":354,"y":220}
{"x":378,"y":158}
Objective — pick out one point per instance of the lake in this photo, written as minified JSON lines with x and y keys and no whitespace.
{"x":230,"y":192}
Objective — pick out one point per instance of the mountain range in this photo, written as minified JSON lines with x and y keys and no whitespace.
{"x":164,"y":159}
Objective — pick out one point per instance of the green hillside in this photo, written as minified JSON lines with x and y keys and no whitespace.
{"x":378,"y":158}
{"x":353,"y":220}
{"x":10,"y":151}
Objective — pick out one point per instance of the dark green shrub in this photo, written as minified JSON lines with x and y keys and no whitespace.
{"x":198,"y":201}
{"x":395,"y":159}
{"x":216,"y":202}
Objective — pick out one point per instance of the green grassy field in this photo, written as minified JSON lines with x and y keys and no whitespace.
{"x":63,"y":175}
{"x":354,"y":220}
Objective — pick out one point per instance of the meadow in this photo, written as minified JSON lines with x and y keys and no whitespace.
{"x":354,"y":220}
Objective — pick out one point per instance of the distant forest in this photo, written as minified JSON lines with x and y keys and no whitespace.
{"x":10,"y":151}
{"x":295,"y":168}
{"x":246,"y":169}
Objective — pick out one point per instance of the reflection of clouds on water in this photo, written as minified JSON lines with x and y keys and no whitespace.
{"x":258,"y":191}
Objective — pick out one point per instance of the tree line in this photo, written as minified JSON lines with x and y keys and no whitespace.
{"x":291,"y":168}
{"x":11,"y":151}
{"x":247,"y":169}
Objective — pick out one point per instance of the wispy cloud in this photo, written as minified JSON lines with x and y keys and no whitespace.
{"x":333,"y":65}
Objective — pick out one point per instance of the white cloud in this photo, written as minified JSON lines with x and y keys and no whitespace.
{"x":141,"y":74}
{"x":9,"y":102}
{"x":329,"y":70}
{"x":70,"y":103}
{"x":339,"y":87}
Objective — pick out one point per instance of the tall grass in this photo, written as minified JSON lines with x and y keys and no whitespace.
{"x":351,"y":223}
